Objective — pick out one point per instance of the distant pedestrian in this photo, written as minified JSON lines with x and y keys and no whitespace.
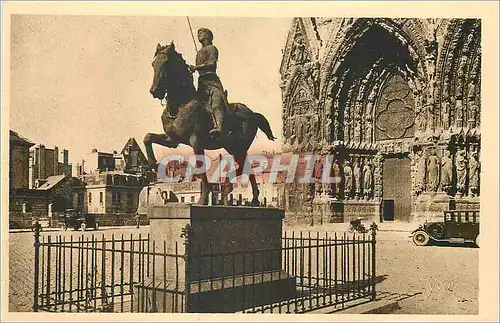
{"x":137,"y":220}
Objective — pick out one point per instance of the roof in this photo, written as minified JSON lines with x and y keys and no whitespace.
{"x":51,"y":182}
{"x":20,"y":140}
{"x":132,"y":145}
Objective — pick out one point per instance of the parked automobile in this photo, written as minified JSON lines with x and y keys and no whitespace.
{"x":456,"y":227}
{"x":78,"y":221}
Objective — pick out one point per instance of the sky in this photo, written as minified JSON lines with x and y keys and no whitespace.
{"x":82,"y":82}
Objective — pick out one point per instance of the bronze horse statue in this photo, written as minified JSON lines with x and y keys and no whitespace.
{"x":186,"y":120}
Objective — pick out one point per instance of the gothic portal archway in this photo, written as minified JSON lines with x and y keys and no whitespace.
{"x":376,"y":104}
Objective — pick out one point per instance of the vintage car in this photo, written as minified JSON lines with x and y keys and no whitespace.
{"x":78,"y":221}
{"x":457,"y":227}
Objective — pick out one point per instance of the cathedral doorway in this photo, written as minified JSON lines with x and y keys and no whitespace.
{"x":397,"y":189}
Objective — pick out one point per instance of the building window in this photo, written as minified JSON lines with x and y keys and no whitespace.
{"x":90,"y":198}
{"x":27,"y":208}
{"x":192,"y":199}
{"x":183,"y":199}
{"x":101,"y":197}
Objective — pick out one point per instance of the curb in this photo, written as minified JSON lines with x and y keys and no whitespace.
{"x":371,"y":307}
{"x":61,"y":230}
{"x":394,"y":230}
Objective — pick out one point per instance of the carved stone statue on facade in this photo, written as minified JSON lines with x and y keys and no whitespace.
{"x":318,"y":173}
{"x":348,"y":178}
{"x":446,"y":172}
{"x":325,"y":185}
{"x":433,"y":172}
{"x":367,"y":180}
{"x":446,"y":113}
{"x":356,"y":176}
{"x":474,"y":171}
{"x":459,"y":116}
{"x":420,"y":115}
{"x":461,"y":167}
{"x":328,"y":129}
{"x":299,"y":52}
{"x":337,"y":175}
{"x":431,"y":48}
{"x":292,"y":131}
{"x":316,"y":133}
{"x":420,"y":172}
{"x":471,"y":90}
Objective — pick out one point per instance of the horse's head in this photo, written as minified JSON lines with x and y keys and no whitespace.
{"x":171,"y":72}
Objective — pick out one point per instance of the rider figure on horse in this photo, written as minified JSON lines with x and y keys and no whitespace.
{"x":210,"y":89}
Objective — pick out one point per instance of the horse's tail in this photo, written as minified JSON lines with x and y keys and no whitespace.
{"x":263,"y":124}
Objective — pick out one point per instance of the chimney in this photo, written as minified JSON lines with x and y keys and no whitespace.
{"x":41,"y":164}
{"x":56,"y":161}
{"x":66,"y":157}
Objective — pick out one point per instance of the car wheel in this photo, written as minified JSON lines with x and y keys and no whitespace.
{"x":83,"y":227}
{"x":477,"y":241}
{"x":421,"y":238}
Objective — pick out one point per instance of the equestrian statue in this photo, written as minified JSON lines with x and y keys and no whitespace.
{"x":202,"y":119}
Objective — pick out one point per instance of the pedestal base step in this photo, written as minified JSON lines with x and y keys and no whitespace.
{"x":233,"y":294}
{"x":218,"y":295}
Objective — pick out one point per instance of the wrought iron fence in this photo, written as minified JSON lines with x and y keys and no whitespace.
{"x":300,"y":273}
{"x":90,"y":274}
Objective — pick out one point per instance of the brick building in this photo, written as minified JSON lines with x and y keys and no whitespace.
{"x":46,"y":162}
{"x":19,"y":161}
{"x":108,"y":192}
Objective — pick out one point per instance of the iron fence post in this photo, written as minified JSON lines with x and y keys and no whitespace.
{"x":373,"y":229}
{"x":36,"y":231}
{"x":186,"y":234}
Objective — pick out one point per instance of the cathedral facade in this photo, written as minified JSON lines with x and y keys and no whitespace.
{"x":397,"y":102}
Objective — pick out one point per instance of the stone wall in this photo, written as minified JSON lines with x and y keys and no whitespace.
{"x":19,"y":167}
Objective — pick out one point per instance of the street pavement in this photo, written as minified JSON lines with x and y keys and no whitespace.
{"x":435,"y":279}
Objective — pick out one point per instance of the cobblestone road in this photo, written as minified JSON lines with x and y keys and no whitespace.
{"x":444,"y":279}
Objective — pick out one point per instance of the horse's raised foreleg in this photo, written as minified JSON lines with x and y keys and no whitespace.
{"x":255,"y":190}
{"x":159,"y":139}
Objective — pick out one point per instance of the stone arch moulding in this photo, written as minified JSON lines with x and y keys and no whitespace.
{"x":355,"y":29}
{"x":299,"y":108}
{"x":351,"y":92}
{"x":301,"y":47}
{"x":298,"y":79}
{"x":458,"y":74}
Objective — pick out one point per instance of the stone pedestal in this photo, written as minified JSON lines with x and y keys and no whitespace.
{"x":430,"y":207}
{"x":333,"y":211}
{"x":465,"y":203}
{"x":232,"y":258}
{"x":367,"y":210}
